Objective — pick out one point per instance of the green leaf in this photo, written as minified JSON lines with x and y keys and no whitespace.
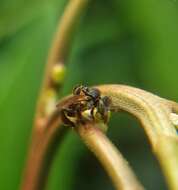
{"x":23,"y":56}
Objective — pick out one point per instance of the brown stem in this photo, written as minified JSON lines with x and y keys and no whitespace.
{"x":45,"y":131}
{"x":58,"y":53}
{"x":42,"y":149}
{"x":113,"y":162}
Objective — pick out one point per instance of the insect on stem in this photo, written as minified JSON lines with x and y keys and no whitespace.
{"x":90,"y":107}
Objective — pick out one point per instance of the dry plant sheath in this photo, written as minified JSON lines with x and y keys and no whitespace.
{"x":45,"y":130}
{"x":154,"y":114}
{"x":113,"y":162}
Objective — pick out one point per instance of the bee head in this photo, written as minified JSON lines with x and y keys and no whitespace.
{"x":80,"y":90}
{"x":83,"y":90}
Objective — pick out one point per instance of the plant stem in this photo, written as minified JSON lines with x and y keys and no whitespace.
{"x":41,"y":153}
{"x":44,"y":130}
{"x":113,"y":162}
{"x":59,"y":52}
{"x":167,"y":153}
{"x":154,"y":114}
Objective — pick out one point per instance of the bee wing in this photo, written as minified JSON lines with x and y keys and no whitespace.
{"x":71,"y":99}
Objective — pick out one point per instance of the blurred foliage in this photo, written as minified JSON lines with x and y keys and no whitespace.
{"x":130,"y":42}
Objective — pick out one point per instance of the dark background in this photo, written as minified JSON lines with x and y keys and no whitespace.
{"x":133,"y":42}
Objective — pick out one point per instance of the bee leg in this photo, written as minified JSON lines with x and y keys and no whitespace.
{"x":66,"y":115}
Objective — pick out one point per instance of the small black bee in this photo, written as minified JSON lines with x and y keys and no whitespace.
{"x":92,"y":107}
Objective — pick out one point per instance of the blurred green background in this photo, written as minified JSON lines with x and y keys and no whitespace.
{"x":133,"y":42}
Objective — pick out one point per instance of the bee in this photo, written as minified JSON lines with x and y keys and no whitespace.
{"x":93,"y":93}
{"x":91,"y":106}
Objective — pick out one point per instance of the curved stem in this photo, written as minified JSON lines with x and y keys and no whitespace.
{"x":45,"y":129}
{"x":154,"y":114}
{"x":41,"y":153}
{"x":58,"y":54}
{"x":43,"y":146}
{"x":113,"y":162}
{"x":167,"y":154}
